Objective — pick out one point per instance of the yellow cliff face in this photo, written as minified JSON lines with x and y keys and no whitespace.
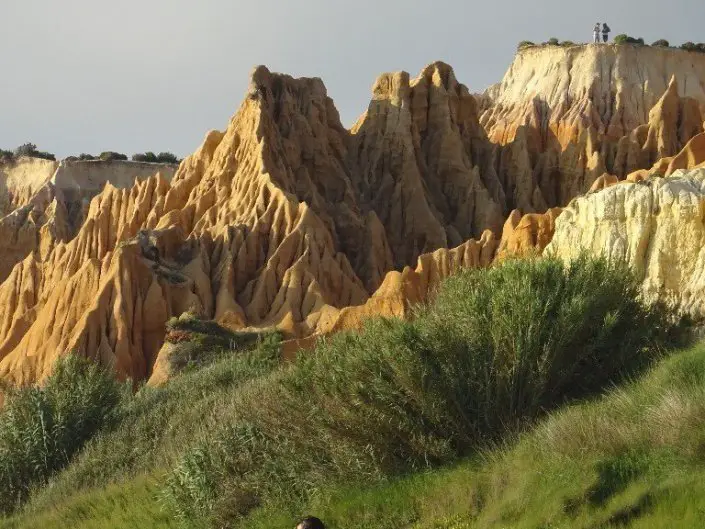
{"x":286,"y":219}
{"x":611,"y":88}
{"x":43,"y":202}
{"x":656,"y":226}
{"x":585,"y":111}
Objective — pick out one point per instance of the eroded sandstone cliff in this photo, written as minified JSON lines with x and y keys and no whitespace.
{"x":43,"y":202}
{"x":656,"y":226}
{"x":288,"y":220}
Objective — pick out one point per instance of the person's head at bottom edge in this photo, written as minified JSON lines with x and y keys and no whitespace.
{"x":311,"y":522}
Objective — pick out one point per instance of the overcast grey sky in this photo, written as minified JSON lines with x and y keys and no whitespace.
{"x":135,"y":75}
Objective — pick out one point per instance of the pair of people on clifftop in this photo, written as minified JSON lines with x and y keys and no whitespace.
{"x":604,"y":29}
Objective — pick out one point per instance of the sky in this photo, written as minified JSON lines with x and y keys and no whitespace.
{"x":155,"y":75}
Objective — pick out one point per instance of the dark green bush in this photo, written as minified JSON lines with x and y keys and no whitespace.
{"x":86,"y":157}
{"x":661,"y":43}
{"x":689,"y":46}
{"x":497,"y":349}
{"x":110,"y":156}
{"x":167,"y":157}
{"x":567,"y":43}
{"x":700,"y":47}
{"x":41,"y":428}
{"x":6,"y":156}
{"x":30,"y":150}
{"x":626,"y":39}
{"x":525,"y":44}
{"x":146,"y":157}
{"x":553,"y":41}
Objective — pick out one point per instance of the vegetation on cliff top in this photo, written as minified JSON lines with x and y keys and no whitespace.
{"x":619,"y":39}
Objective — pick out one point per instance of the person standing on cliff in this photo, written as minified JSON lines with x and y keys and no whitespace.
{"x":596,"y":33}
{"x":605,"y":32}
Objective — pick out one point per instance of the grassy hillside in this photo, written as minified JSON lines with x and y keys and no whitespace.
{"x":634,"y":458}
{"x":395,"y":418}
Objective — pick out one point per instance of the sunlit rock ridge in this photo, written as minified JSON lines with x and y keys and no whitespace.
{"x":287,"y":219}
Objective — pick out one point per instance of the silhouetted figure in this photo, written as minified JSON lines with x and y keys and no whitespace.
{"x":310,"y":522}
{"x":596,"y":33}
{"x":605,"y":32}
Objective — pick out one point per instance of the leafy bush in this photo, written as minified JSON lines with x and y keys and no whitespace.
{"x":42,"y":428}
{"x":525,"y":44}
{"x":567,"y":43}
{"x":6,"y":156}
{"x":626,"y":39}
{"x":158,"y":424}
{"x":497,"y":349}
{"x":86,"y":157}
{"x":689,"y":46}
{"x":30,"y":150}
{"x":553,"y":41}
{"x":162,"y":157}
{"x":662,"y":43}
{"x":110,"y":156}
{"x":167,"y":157}
{"x":146,"y":157}
{"x":26,"y":149}
{"x":700,"y":47}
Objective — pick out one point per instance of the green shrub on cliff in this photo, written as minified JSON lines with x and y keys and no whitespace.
{"x":148,"y":157}
{"x":626,"y":39}
{"x":167,"y":157}
{"x":498,"y":348}
{"x":661,"y":43}
{"x":41,"y":428}
{"x":525,"y":44}
{"x":111,"y":156}
{"x":29,"y":150}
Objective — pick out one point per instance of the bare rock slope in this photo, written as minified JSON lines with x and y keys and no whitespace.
{"x":656,"y":226}
{"x":43,"y":202}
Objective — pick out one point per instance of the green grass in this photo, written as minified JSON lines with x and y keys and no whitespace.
{"x":634,"y":458}
{"x":130,"y":505}
{"x":158,"y":425}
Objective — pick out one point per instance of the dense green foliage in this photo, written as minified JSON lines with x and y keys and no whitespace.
{"x":496,"y":350}
{"x":631,"y":459}
{"x":691,"y":46}
{"x":162,"y":157}
{"x":661,"y":43}
{"x":28,"y":150}
{"x":110,"y":156}
{"x":42,"y":427}
{"x":153,"y":429}
{"x":145,"y":157}
{"x":525,"y":44}
{"x":626,"y":39}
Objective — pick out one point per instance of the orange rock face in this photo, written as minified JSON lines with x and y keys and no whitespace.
{"x":288,"y":220}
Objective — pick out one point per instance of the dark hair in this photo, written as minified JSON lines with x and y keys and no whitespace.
{"x":310,"y":522}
